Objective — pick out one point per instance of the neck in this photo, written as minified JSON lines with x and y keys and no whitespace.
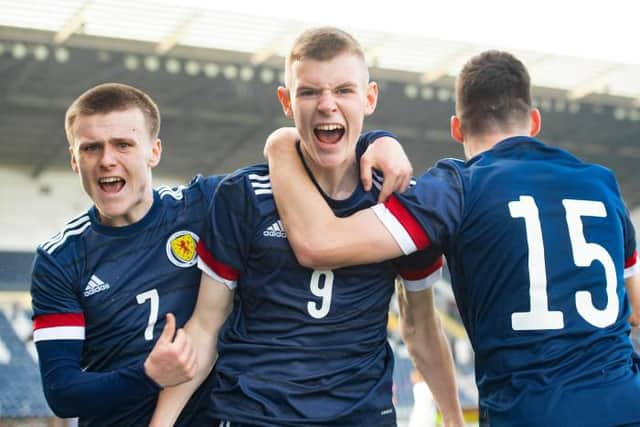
{"x":478,"y":144}
{"x":336,"y":181}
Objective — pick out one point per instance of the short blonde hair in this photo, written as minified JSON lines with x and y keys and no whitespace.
{"x":108,"y":97}
{"x":322,"y":44}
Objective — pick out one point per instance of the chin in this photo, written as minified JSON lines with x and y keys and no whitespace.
{"x":111,"y":210}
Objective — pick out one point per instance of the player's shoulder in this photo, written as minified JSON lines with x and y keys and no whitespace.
{"x":450,"y":163}
{"x":448,"y":171}
{"x":70,"y":235}
{"x":252,"y":179}
{"x":593,"y":173}
{"x":197,"y":186}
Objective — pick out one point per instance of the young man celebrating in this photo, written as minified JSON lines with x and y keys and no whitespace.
{"x":539,"y":245}
{"x":302,"y":347}
{"x":102,"y":287}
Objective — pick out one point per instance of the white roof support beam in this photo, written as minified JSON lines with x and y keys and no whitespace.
{"x":173,"y":38}
{"x":277,"y":45}
{"x":443,"y":67}
{"x":373,"y":49}
{"x":593,"y":84}
{"x":72,"y":25}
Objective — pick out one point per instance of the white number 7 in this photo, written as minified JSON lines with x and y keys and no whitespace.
{"x":154,"y":299}
{"x":539,"y":316}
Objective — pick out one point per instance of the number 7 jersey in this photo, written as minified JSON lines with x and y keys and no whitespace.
{"x":538,"y":244}
{"x":100,"y":296}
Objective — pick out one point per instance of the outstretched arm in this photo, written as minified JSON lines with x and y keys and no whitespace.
{"x":318,"y":238}
{"x":214,"y":304}
{"x":429,"y":348}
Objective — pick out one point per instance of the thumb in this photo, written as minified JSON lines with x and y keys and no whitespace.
{"x":385,"y":191}
{"x":366,"y":172}
{"x":169,"y":328}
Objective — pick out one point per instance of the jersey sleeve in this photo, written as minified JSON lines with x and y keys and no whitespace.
{"x":59,"y":332}
{"x":57,"y":313}
{"x":367,"y":138}
{"x":420,"y":270}
{"x":208,"y":185}
{"x":228,"y":231}
{"x":428,"y":213}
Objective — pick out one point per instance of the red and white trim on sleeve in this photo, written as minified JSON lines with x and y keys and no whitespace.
{"x":404,"y":228}
{"x":60,"y":326}
{"x":419,"y":280}
{"x":631,"y":265}
{"x":215,"y":269}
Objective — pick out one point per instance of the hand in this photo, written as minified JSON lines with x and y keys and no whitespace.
{"x":171,"y":361}
{"x":287,"y":135}
{"x":386,"y":155}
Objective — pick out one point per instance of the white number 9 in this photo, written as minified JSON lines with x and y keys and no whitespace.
{"x":324,"y":292}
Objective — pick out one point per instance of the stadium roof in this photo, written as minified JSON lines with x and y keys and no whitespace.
{"x":169,"y":24}
{"x":214,"y":74}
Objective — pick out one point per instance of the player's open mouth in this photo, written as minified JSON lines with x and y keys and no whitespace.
{"x":111,"y":184}
{"x":329,"y":133}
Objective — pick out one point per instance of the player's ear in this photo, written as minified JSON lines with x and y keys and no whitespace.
{"x":72,"y":160}
{"x":284,"y":96}
{"x":372,"y":98}
{"x":456,"y":129}
{"x":536,"y":122}
{"x":156,"y":153}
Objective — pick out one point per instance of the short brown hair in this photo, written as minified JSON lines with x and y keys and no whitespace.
{"x":322,"y":44}
{"x":493,"y":91}
{"x":108,"y":97}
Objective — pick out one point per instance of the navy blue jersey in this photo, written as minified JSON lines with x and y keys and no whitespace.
{"x":302,"y":347}
{"x":538,"y":244}
{"x":110,"y":289}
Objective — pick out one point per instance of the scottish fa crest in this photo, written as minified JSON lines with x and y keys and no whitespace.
{"x":181,"y":248}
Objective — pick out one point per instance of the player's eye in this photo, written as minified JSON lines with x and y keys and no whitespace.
{"x":90,"y":148}
{"x":345,"y":90}
{"x":306,"y":93}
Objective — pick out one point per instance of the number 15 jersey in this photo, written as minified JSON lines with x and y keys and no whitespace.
{"x":538,"y":244}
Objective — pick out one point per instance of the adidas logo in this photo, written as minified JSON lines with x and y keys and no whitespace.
{"x":94,"y":286}
{"x":275,"y":230}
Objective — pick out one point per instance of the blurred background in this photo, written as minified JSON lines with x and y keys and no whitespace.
{"x":213,"y":68}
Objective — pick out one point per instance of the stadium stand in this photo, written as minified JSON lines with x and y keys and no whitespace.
{"x":22,"y":401}
{"x":21,"y":396}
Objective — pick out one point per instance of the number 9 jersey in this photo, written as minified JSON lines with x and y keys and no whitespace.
{"x":538,"y":244}
{"x":302,"y":347}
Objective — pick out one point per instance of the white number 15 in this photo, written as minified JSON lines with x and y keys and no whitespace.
{"x":584,"y":253}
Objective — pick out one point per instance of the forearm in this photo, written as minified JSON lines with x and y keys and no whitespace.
{"x":214,"y":304}
{"x":432,"y":356}
{"x":299,"y":202}
{"x":73,"y":392}
{"x":172,"y":400}
{"x":429,"y":348}
{"x":319,"y":239}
